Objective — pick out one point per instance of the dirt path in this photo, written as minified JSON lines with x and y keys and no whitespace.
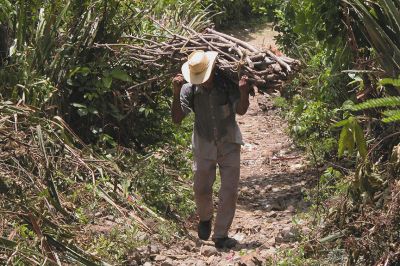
{"x":272,"y":178}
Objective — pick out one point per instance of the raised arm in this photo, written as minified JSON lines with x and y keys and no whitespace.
{"x":176,"y":109}
{"x":244,"y":103}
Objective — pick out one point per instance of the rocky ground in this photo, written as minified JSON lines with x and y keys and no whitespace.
{"x":273,"y":179}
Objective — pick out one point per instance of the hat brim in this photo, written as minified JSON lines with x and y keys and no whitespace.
{"x":201,"y":77}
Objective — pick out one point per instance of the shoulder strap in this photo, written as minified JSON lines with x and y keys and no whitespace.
{"x":193,"y":88}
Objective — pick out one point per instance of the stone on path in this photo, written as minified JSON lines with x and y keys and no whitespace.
{"x":208,"y":251}
{"x":168,"y":262}
{"x":159,"y":258}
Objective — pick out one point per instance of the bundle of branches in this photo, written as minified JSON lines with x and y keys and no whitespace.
{"x":166,"y":54}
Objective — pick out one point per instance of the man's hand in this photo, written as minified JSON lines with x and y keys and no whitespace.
{"x":244,"y":85}
{"x":177,"y":82}
{"x":244,"y":88}
{"x":176,"y":108}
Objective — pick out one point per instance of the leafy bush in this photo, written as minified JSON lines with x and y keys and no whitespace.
{"x":313,"y":32}
{"x":230,"y":14}
{"x":302,"y":21}
{"x":68,"y":90}
{"x":309,"y":124}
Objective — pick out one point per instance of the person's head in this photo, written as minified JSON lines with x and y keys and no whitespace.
{"x":200,"y":67}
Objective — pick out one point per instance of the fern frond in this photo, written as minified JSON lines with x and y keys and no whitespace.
{"x":391,"y":112}
{"x":380,"y":102}
{"x":393,"y":118}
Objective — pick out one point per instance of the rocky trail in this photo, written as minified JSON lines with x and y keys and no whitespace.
{"x":271,"y":191}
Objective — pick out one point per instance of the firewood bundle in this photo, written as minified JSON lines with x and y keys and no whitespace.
{"x":264,"y":69}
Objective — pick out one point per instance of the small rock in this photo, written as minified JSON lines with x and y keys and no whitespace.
{"x":160,"y":258}
{"x":291,"y":209}
{"x":144,"y":251}
{"x":109,"y":223}
{"x":248,"y":146}
{"x":245,"y":190}
{"x":283,"y":152}
{"x":275,"y":189}
{"x":273,"y":206}
{"x":289,"y":234}
{"x":296,"y":167}
{"x":142,"y":236}
{"x":284,"y":246}
{"x":208,"y":251}
{"x":132,"y":263}
{"x":110,"y":217}
{"x":200,"y":263}
{"x":154,"y":249}
{"x":268,"y":188}
{"x":239,"y":237}
{"x":188,"y":245}
{"x":272,"y":214}
{"x":168,"y":262}
{"x":271,"y":242}
{"x":268,"y":252}
{"x":147,"y":263}
{"x":258,"y":213}
{"x":193,"y":262}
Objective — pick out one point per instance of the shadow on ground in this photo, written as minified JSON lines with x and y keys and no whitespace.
{"x":276,"y":192}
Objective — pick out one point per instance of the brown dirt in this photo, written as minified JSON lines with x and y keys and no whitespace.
{"x":273,"y":177}
{"x":261,"y":35}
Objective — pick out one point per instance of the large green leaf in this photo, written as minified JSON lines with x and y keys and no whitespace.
{"x":393,"y":15}
{"x":388,"y":50}
{"x":121,"y":75}
{"x":359,"y":138}
{"x":346,"y":140}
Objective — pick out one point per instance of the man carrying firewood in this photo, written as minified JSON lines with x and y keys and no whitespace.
{"x":216,"y":139}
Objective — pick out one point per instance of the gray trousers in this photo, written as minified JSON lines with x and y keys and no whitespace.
{"x":204,"y":177}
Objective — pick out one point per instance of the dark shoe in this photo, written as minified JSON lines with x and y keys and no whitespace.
{"x":225,"y":242}
{"x":204,"y":229}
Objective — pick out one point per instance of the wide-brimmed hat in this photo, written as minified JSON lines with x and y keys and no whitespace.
{"x":199,"y":66}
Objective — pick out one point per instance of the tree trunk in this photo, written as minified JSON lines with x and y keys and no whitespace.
{"x":4,"y":43}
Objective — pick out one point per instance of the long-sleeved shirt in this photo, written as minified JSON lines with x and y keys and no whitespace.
{"x":215,"y":129}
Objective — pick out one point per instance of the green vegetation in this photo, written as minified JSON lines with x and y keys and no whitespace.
{"x":236,"y":12}
{"x":343,"y":109}
{"x":87,"y":143}
{"x":84,"y":152}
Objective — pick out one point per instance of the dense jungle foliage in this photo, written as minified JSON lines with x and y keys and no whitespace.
{"x":83,"y":135}
{"x":343,"y":109}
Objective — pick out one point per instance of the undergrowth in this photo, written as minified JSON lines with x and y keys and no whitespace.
{"x":89,"y":168}
{"x":352,"y":206}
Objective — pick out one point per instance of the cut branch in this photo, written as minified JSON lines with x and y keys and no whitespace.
{"x":165,"y":53}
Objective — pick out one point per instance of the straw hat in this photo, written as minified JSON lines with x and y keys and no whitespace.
{"x":199,"y":66}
